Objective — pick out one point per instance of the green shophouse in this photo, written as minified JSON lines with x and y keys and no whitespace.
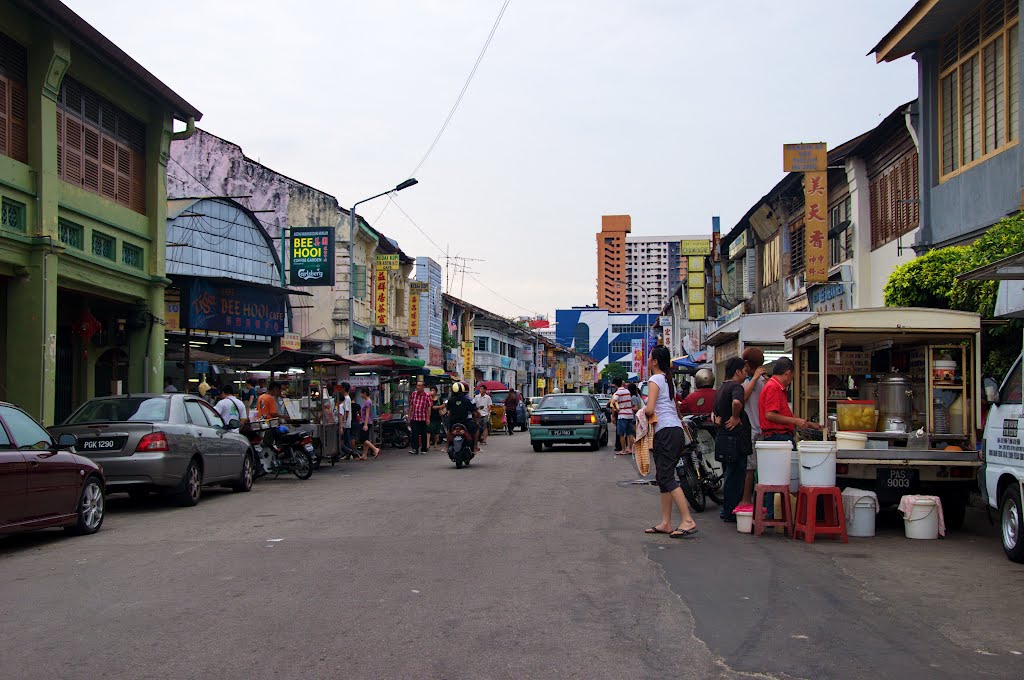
{"x":84,"y":138}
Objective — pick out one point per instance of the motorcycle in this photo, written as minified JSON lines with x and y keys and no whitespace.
{"x":395,"y":433}
{"x":281,"y":451}
{"x":460,"y":446}
{"x":699,"y":474}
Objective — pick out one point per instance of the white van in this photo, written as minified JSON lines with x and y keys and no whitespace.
{"x":1004,"y":462}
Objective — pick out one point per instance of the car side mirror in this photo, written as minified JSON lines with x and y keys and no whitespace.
{"x":67,"y":441}
{"x":234,"y":424}
{"x":991,"y":390}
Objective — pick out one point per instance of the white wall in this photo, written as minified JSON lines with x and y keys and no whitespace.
{"x":881,"y":264}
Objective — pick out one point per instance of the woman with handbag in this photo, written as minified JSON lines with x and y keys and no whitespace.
{"x":732,"y":441}
{"x":668,"y":446}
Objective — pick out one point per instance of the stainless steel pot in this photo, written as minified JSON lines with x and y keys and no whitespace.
{"x":895,"y":402}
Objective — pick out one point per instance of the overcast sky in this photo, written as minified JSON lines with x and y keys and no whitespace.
{"x":668,"y":110}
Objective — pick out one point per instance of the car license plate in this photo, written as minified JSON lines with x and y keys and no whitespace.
{"x":100,"y":444}
{"x":563,"y":433}
{"x":897,"y":479}
{"x":309,"y":448}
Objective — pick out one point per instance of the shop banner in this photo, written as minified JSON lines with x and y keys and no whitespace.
{"x":380,"y":298}
{"x":418,"y":287}
{"x":414,"y":315}
{"x":389,"y":263}
{"x":436,"y":356}
{"x":467,"y":361}
{"x":816,"y":226}
{"x":804,"y":157}
{"x":234,"y":309}
{"x":311,"y":258}
{"x":666,"y":335}
{"x":695,"y":247}
{"x":291,"y":341}
{"x":638,"y":356}
{"x":357,"y":381}
{"x":172,"y":314}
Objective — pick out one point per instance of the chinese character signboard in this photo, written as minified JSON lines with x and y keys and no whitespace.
{"x":666,"y":336}
{"x":311,"y":258}
{"x":414,"y":315}
{"x":380,"y":298}
{"x":234,"y":309}
{"x":467,"y":361}
{"x":804,"y":157}
{"x":388,"y":263}
{"x":816,"y":225}
{"x":637,"y":347}
{"x":695,"y":247}
{"x":291,"y":341}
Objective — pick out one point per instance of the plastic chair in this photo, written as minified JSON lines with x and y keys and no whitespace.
{"x":760,"y":521}
{"x":833,"y":523}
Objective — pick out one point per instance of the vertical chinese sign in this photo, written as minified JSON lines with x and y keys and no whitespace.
{"x":638,"y":356}
{"x":467,"y":361}
{"x":414,"y":316}
{"x":812,"y":160}
{"x":380,"y":298}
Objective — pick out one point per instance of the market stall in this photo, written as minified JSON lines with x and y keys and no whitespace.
{"x":764,"y":331}
{"x":898,"y":388}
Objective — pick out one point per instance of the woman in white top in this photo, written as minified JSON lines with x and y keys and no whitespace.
{"x":668,"y":446}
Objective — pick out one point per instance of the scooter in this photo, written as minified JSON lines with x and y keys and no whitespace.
{"x":395,"y":433}
{"x":460,"y":446}
{"x":699,"y":475}
{"x":281,"y":451}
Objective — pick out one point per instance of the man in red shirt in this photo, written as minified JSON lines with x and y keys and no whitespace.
{"x":777,"y":420}
{"x":419,"y":414}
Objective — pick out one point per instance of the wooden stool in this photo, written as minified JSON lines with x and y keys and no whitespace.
{"x":834,"y":521}
{"x":760,"y":522}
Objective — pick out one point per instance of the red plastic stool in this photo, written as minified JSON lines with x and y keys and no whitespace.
{"x":760,"y":522}
{"x":834,"y":521}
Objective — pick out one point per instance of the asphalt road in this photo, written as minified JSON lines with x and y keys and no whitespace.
{"x":523,"y":566}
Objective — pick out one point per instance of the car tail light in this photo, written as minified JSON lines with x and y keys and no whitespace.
{"x":842,"y":468}
{"x":593,"y":419}
{"x":534,"y":420}
{"x":156,"y":441}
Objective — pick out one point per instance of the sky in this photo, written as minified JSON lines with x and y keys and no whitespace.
{"x":671,"y":111}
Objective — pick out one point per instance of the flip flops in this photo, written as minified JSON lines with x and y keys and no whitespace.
{"x":684,"y":533}
{"x":656,"y":530}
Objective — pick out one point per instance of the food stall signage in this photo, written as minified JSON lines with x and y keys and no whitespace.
{"x":312,"y":256}
{"x":234,"y":309}
{"x":695,"y":247}
{"x":849,"y":363}
{"x":364,"y":380}
{"x":816,"y":226}
{"x":291,"y":341}
{"x":388,"y":262}
{"x":830,"y":298}
{"x":805,"y":157}
{"x":380,"y":298}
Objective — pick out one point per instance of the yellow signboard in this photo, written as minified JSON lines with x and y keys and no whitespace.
{"x":291,"y":341}
{"x":696,"y":295}
{"x":816,"y":226}
{"x":467,"y":360}
{"x":380,"y":298}
{"x":697,"y":312}
{"x":804,"y":157}
{"x":541,"y":383}
{"x":695,"y":247}
{"x":388,"y":262}
{"x":414,"y":315}
{"x":695,"y":280}
{"x":695,"y":263}
{"x":172,"y":314}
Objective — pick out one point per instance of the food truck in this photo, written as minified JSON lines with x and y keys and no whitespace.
{"x":899,"y":390}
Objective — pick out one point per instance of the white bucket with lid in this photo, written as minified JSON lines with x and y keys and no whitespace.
{"x":817,"y":463}
{"x":860,"y":507}
{"x":851,"y":440}
{"x":773,"y":462}
{"x":923,"y":520}
{"x":794,"y":472}
{"x":745,"y":521}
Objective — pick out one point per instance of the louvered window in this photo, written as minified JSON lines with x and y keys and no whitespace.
{"x":895,"y":201}
{"x":979,"y":86}
{"x":99,"y":147}
{"x":359,"y":282}
{"x":13,"y":100}
{"x":770,"y":261}
{"x":797,"y":248}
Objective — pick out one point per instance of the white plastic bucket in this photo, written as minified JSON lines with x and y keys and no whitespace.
{"x":851,"y":440}
{"x":794,"y":472}
{"x":773,"y":462}
{"x":817,"y":463}
{"x":923,"y":521}
{"x":862,"y":518}
{"x":745,"y":522}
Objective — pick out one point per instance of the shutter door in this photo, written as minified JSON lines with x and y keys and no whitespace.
{"x":108,"y":184}
{"x":72,"y":151}
{"x":91,"y":159}
{"x":19,"y":122}
{"x":750,"y":274}
{"x":60,"y":144}
{"x":138,"y":182}
{"x":124,"y":176}
{"x":5,"y":116}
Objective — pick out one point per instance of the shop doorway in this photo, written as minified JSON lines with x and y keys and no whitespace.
{"x":111,"y":367}
{"x":64,"y":388}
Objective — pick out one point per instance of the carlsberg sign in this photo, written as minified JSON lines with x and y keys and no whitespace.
{"x":311,"y":259}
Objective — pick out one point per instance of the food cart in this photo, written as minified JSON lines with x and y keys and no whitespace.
{"x":907,"y":380}
{"x":498,"y":392}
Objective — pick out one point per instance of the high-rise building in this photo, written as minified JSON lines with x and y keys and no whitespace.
{"x":611,"y":262}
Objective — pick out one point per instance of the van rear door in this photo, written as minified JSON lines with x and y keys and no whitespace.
{"x":1004,"y":436}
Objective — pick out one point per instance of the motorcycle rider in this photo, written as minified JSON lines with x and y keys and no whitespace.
{"x":462,"y":410}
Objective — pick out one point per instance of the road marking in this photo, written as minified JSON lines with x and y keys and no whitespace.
{"x":275,"y":540}
{"x":1016,"y":653}
{"x":416,"y":591}
{"x":799,"y":637}
{"x":983,"y":652}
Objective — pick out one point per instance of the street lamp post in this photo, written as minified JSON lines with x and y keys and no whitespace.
{"x":352,"y":259}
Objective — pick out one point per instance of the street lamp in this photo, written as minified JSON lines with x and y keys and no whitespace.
{"x":352,"y":258}
{"x":647,"y":305}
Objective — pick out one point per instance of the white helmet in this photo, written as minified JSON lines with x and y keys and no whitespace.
{"x":704,"y":378}
{"x":456,"y":387}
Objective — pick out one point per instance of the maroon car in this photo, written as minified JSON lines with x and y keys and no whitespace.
{"x":42,"y":482}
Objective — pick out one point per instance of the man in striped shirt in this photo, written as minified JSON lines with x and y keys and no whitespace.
{"x":624,"y":420}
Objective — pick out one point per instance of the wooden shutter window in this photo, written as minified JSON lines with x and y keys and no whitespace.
{"x":72,"y":151}
{"x":108,"y":186}
{"x":5,"y":116}
{"x":13,"y":119}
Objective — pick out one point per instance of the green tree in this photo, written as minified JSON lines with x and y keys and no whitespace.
{"x":614,"y":370}
{"x":927,"y":281}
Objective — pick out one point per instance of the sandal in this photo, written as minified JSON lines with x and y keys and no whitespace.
{"x":656,"y":530}
{"x":684,"y":533}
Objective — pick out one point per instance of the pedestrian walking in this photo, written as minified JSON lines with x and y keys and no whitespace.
{"x":511,"y":411}
{"x":668,"y":446}
{"x":345,"y":419}
{"x":482,"y":402}
{"x":419,"y":415}
{"x":732,"y":442}
{"x":624,"y":417}
{"x":366,"y":444}
{"x":436,"y":418}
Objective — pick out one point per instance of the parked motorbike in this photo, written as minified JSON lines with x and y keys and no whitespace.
{"x":699,"y":473}
{"x":279,"y":450}
{"x":395,"y":433}
{"x":460,"y":446}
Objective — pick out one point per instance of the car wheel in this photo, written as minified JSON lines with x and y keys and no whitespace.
{"x":537,"y":447}
{"x":604,"y":438}
{"x":246,"y":476}
{"x":595,"y":445}
{"x":1012,"y":524}
{"x":549,"y":446}
{"x":91,"y":503}
{"x":191,"y":488}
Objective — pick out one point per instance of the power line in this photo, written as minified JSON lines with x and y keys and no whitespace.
{"x":514,"y":304}
{"x":465,"y":87}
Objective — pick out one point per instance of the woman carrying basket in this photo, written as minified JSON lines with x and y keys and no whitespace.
{"x":668,"y":446}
